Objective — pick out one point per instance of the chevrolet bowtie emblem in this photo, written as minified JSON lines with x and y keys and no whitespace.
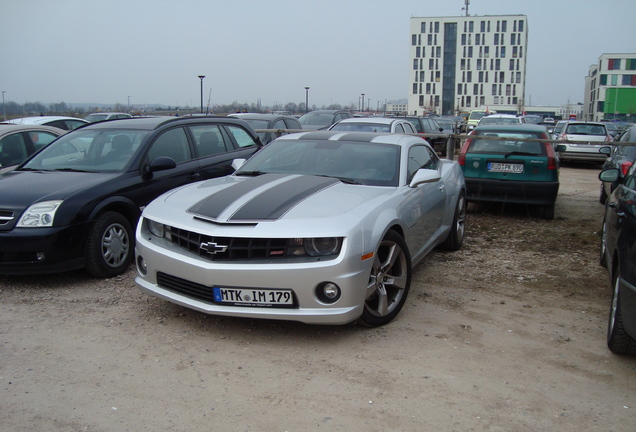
{"x":213,"y":248}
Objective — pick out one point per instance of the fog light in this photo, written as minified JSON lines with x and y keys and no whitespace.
{"x":40,"y":256}
{"x":142,"y":268}
{"x":328,"y":292}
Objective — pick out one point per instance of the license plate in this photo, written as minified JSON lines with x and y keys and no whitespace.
{"x":253,"y":297}
{"x":505,"y":167}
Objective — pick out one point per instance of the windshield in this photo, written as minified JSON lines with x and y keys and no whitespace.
{"x":484,"y":144}
{"x":96,"y":117}
{"x":476,"y":115}
{"x":585,"y":129}
{"x":94,"y":150}
{"x":499,"y":121}
{"x":361,"y":127}
{"x":319,"y":119}
{"x":352,"y":162}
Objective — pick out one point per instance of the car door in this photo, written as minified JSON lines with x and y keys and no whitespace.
{"x":426,"y":202}
{"x":624,"y":216}
{"x":13,"y":149}
{"x":172,"y":143}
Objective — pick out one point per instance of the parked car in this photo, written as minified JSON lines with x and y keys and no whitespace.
{"x":449,"y":125}
{"x":18,"y":142}
{"x":501,"y":119}
{"x":318,"y":227}
{"x":531,"y":119}
{"x":500,"y":167}
{"x":621,"y":157}
{"x":373,"y":124}
{"x":75,"y":203}
{"x":558,"y":128}
{"x":474,"y":117}
{"x":322,"y":119}
{"x":269,"y":121}
{"x":594,"y":133}
{"x":60,"y":122}
{"x":427,"y":128}
{"x":618,"y":254}
{"x":102,"y":116}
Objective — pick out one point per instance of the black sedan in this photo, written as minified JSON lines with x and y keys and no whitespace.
{"x":619,"y":156}
{"x":76,"y":203}
{"x":618,"y":253}
{"x":277,"y":122}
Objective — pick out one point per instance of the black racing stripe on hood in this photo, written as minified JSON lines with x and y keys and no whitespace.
{"x":215,"y":204}
{"x":273,"y":203}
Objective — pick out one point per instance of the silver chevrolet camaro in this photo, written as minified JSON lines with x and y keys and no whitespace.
{"x":318,"y":227}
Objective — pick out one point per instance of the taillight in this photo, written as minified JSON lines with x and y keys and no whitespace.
{"x":552,"y":165}
{"x":625,"y":166}
{"x":462,"y":154}
{"x":608,"y":138}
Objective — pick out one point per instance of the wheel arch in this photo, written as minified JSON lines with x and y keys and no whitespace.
{"x":121,"y":205}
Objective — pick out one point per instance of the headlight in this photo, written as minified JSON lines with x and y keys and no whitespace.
{"x":39,"y":215}
{"x":322,"y":246}
{"x":155,"y":228}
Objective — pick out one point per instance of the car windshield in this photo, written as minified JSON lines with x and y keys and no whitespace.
{"x":361,"y":127}
{"x":499,"y":121}
{"x":585,"y":129}
{"x":352,"y":162}
{"x":317,"y":119}
{"x":510,"y":145}
{"x":96,"y":117}
{"x":93,"y":150}
{"x":476,"y":115}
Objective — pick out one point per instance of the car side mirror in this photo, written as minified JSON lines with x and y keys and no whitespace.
{"x":610,"y":175}
{"x":160,"y":163}
{"x":561,"y":148}
{"x":605,"y":150}
{"x":237,"y":163}
{"x":424,"y":175}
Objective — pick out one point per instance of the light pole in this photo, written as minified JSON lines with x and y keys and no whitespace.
{"x":201,"y":78}
{"x":306,"y":100}
{"x":4,"y":107}
{"x":129,"y":104}
{"x":362,"y":101}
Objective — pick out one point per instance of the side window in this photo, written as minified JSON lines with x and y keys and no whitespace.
{"x":40,"y":139}
{"x":292,"y":124}
{"x":242,"y":138}
{"x":630,"y":180}
{"x":73,"y":124}
{"x":173,"y":144}
{"x":208,"y":140}
{"x":399,"y":128}
{"x":408,"y":128}
{"x":420,"y":157}
{"x":12,"y":150}
{"x":61,"y":124}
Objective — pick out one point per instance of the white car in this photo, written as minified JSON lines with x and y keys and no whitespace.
{"x":374,"y":124}
{"x":318,"y":227}
{"x":60,"y":122}
{"x":590,"y":137}
{"x":501,"y":119}
{"x":102,"y":116}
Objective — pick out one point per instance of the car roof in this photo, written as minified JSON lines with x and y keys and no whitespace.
{"x":526,"y":127}
{"x":108,"y":113}
{"x":260,"y":116}
{"x":7,"y":128}
{"x":370,"y":137}
{"x":151,"y":123}
{"x":41,"y":119}
{"x":501,"y":116}
{"x":376,"y":120}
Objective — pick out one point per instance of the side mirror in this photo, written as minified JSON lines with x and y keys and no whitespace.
{"x":561,"y":148}
{"x":237,"y":163}
{"x":605,"y":150}
{"x":160,"y":163}
{"x":424,"y":176}
{"x":610,"y":175}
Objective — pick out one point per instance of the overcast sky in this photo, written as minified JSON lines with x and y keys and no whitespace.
{"x":89,"y":51}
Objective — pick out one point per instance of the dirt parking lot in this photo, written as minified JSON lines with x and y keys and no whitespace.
{"x":508,"y":334}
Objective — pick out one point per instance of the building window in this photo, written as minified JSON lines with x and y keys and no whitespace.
{"x":462,"y":64}
{"x":629,"y":80}
{"x":614,"y":64}
{"x":482,"y":26}
{"x":497,"y":64}
{"x":512,"y":38}
{"x":414,"y":88}
{"x":423,"y":27}
{"x":520,"y":25}
{"x":614,"y":80}
{"x":470,"y":51}
{"x":630,"y":64}
{"x":414,"y":40}
{"x":431,"y":63}
{"x":437,"y":27}
{"x":437,"y":76}
{"x":504,"y":26}
{"x":468,"y":100}
{"x":428,"y":88}
{"x":512,"y":64}
{"x":486,"y":51}
{"x":496,"y":39}
{"x":469,"y":76}
{"x":478,"y":64}
{"x":463,"y":38}
{"x":503,"y":52}
{"x":494,"y":89}
{"x":414,"y":64}
{"x":603,"y":80}
{"x":518,"y":80}
{"x":470,"y":26}
{"x":477,"y":39}
{"x":481,"y":76}
{"x":475,"y":89}
{"x":459,"y":89}
{"x":422,"y":76}
{"x":514,"y":52}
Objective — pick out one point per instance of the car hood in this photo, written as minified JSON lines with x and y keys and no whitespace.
{"x":236,"y":200}
{"x":19,"y":189}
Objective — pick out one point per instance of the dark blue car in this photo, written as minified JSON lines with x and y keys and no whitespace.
{"x":618,"y":254}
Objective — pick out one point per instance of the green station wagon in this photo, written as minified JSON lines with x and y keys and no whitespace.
{"x":501,"y":165}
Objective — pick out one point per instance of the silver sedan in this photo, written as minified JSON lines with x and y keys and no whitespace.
{"x":318,"y":227}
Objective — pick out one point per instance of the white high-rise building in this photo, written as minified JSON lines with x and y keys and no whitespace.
{"x":463,"y":63}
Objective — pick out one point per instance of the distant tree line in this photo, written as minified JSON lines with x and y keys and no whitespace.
{"x":14,"y":110}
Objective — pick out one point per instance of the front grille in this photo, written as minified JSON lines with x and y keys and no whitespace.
{"x":6,"y":216}
{"x":237,"y":249}
{"x":186,"y":288}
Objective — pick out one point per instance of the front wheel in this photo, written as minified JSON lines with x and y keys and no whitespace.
{"x":618,"y":341}
{"x":389,"y":281}
{"x":110,"y":245}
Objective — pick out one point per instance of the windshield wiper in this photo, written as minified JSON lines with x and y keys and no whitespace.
{"x":518,"y":153}
{"x":72,"y":170}
{"x":249,"y":173}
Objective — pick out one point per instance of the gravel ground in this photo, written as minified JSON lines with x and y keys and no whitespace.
{"x":507,"y":334}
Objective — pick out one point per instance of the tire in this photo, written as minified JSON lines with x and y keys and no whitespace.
{"x":618,"y":341}
{"x":548,"y":212}
{"x":456,"y":235}
{"x":110,"y":245}
{"x":389,"y":281}
{"x":603,"y":249}
{"x":603,"y":196}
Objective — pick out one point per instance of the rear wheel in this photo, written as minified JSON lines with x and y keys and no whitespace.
{"x":618,"y":341}
{"x":389,"y":281}
{"x":603,"y":196}
{"x":109,"y":248}
{"x":456,"y":235}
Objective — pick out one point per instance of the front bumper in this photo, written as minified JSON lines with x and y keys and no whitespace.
{"x":41,"y":250}
{"x":511,"y":191}
{"x":349,"y":272}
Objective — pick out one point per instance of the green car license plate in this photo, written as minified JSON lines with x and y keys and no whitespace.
{"x":253,"y":297}
{"x":505,"y":167}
